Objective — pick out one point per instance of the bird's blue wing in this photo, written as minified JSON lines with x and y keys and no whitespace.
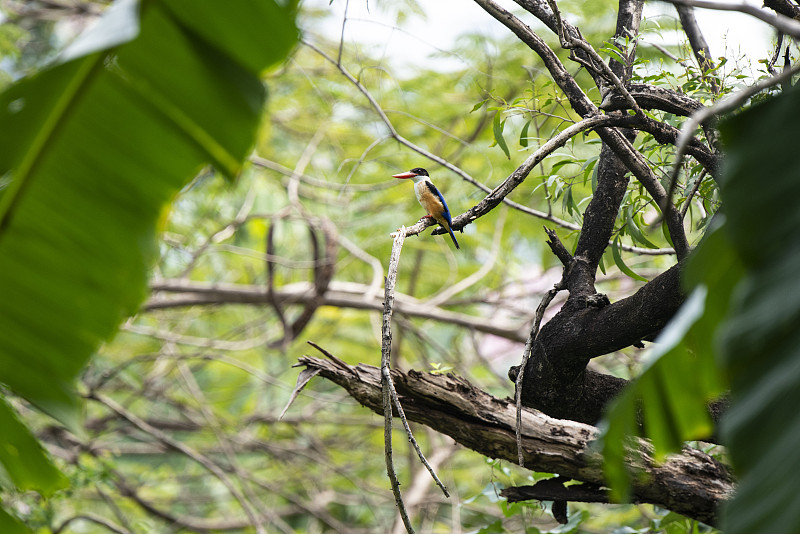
{"x":446,"y":213}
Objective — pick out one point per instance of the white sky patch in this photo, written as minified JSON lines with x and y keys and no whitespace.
{"x":372,"y":24}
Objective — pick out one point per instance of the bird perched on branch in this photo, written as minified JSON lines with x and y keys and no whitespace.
{"x":430,"y":198}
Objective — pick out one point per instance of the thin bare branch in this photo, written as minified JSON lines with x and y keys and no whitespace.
{"x":780,"y":22}
{"x":91,"y":518}
{"x":387,"y":386}
{"x":179,"y":446}
{"x":721,"y":106}
{"x":569,"y":42}
{"x":566,"y":259}
{"x":339,"y":294}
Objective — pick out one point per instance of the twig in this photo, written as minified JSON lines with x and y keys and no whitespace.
{"x":692,"y":193}
{"x":213,"y":423}
{"x":341,"y":38}
{"x":284,"y":341}
{"x":92,"y":518}
{"x":183,"y":522}
{"x":721,"y":106}
{"x":546,"y":300}
{"x":597,"y":64}
{"x":781,"y":22}
{"x":387,"y":386}
{"x":700,"y":48}
{"x":386,"y":377}
{"x":179,"y":446}
{"x":776,"y":55}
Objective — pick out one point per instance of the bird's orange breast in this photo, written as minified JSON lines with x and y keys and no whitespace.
{"x":428,"y":200}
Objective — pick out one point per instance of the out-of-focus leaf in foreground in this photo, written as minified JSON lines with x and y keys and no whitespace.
{"x":94,"y":148}
{"x":760,"y":340}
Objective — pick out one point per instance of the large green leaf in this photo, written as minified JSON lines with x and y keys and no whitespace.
{"x":760,"y":341}
{"x":680,"y":375}
{"x":751,"y":319}
{"x":93,"y":150}
{"x":25,"y":462}
{"x":11,"y":525}
{"x":671,"y":395}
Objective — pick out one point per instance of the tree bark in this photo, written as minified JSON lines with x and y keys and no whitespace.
{"x":557,"y":381}
{"x":691,"y":483}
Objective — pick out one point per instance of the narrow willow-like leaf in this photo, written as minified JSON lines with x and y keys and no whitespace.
{"x":497,"y":129}
{"x":523,"y":135}
{"x":635,"y":231}
{"x":617,"y":255}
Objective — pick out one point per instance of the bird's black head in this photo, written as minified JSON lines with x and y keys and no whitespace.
{"x":419,"y":171}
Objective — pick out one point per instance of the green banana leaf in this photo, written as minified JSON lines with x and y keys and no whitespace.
{"x":93,"y":150}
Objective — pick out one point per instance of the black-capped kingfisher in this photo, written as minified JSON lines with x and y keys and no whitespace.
{"x":430,"y":198}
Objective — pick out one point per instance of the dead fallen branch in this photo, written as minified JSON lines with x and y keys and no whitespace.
{"x":691,"y":483}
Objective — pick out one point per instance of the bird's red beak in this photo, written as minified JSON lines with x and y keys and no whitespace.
{"x":408,"y":174}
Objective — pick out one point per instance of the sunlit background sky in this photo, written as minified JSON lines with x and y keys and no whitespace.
{"x":372,"y":22}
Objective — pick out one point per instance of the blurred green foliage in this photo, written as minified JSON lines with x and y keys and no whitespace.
{"x":216,"y":377}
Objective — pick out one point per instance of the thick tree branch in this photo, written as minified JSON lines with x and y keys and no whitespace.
{"x":558,"y":382}
{"x":553,"y":489}
{"x":598,"y":223}
{"x":651,"y":97}
{"x":786,"y":8}
{"x":692,"y":483}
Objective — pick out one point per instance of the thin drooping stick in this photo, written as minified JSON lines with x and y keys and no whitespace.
{"x":565,"y":258}
{"x":389,"y":393}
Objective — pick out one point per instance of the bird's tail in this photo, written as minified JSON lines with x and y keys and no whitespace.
{"x":452,"y":236}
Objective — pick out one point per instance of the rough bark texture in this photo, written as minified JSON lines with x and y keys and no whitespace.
{"x":784,"y":7}
{"x":691,"y":483}
{"x":650,"y":97}
{"x":557,"y":380}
